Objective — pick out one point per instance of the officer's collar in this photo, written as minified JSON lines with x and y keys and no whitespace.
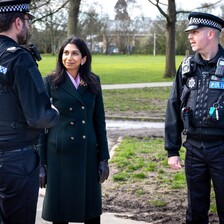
{"x":199,"y":60}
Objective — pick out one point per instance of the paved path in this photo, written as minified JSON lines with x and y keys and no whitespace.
{"x":136,"y":85}
{"x":107,"y":218}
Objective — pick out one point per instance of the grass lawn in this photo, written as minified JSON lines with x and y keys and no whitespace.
{"x":143,"y":103}
{"x":142,"y":178}
{"x":135,"y":157}
{"x":118,"y":69}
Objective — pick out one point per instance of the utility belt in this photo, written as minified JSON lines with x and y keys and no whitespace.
{"x":13,"y":124}
{"x":204,"y":141}
{"x":23,"y":149}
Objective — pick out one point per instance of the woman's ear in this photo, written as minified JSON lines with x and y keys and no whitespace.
{"x":83,"y":60}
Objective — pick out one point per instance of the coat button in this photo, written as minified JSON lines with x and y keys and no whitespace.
{"x":70,"y":109}
{"x":72,"y":138}
{"x":83,"y":107}
{"x":72,"y":123}
{"x":83,"y":122}
{"x":84,"y":137}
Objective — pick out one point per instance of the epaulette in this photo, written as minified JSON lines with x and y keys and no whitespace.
{"x":13,"y":49}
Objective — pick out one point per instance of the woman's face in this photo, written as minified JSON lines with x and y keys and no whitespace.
{"x":72,"y":58}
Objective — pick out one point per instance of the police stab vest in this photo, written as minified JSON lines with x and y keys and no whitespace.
{"x":203,"y":93}
{"x":10,"y":111}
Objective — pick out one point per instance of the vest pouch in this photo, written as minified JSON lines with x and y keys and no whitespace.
{"x":216,"y":112}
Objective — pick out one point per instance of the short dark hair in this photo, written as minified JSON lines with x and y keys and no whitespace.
{"x":6,"y":20}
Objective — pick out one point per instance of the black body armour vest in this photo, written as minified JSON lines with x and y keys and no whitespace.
{"x":11,"y":115}
{"x":203,"y":93}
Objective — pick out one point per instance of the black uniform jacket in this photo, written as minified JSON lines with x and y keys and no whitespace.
{"x":198,"y":90}
{"x":25,"y":106}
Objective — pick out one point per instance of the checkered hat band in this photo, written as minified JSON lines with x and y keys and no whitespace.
{"x":205,"y":22}
{"x":14,"y":8}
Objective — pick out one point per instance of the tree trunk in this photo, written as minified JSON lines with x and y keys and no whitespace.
{"x":170,"y":69}
{"x":73,"y":15}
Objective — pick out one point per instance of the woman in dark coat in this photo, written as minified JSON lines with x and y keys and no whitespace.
{"x":75,"y":152}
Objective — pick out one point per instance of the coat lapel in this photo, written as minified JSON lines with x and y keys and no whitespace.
{"x":70,"y":89}
{"x":81,"y":89}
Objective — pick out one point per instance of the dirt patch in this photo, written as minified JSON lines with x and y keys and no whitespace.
{"x":137,"y":201}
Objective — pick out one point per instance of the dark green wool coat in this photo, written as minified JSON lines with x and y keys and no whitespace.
{"x":72,"y":152}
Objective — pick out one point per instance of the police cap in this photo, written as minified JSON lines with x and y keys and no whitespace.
{"x":7,"y":6}
{"x":199,"y":19}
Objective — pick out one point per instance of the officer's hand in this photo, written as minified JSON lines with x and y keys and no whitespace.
{"x":42,"y":176}
{"x":103,"y":171}
{"x":174,"y":162}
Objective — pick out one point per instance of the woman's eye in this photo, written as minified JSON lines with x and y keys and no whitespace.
{"x":75,"y":53}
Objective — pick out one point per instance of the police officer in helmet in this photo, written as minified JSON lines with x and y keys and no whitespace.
{"x":25,"y":110}
{"x":196,"y":108}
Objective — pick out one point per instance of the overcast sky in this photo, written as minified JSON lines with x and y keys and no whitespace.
{"x":147,"y":9}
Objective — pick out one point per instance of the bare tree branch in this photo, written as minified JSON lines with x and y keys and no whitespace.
{"x":52,"y":12}
{"x":204,"y":6}
{"x":170,"y":15}
{"x":157,"y":4}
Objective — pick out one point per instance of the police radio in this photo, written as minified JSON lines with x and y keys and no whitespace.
{"x":219,"y":72}
{"x":35,"y":53}
{"x":186,"y":115}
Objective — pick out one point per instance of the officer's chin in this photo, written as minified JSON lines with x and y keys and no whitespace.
{"x":23,"y":40}
{"x":28,"y":37}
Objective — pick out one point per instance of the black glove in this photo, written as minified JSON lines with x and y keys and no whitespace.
{"x":103,"y":171}
{"x":43,"y":176}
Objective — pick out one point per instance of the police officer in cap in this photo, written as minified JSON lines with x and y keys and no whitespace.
{"x":196,"y":108}
{"x":25,"y":110}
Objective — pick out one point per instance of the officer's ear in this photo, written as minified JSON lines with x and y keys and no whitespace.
{"x":18,"y":23}
{"x":211,"y":33}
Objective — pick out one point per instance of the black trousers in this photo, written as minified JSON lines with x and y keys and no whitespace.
{"x":89,"y":221}
{"x":203,"y":165}
{"x":19,"y":186}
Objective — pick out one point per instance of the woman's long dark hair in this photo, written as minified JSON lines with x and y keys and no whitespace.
{"x":84,"y":71}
